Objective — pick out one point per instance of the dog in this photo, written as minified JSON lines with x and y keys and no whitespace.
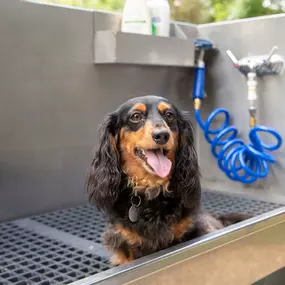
{"x":145,"y":178}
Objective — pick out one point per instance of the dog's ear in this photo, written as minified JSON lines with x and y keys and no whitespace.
{"x":104,"y":175}
{"x":186,"y":177}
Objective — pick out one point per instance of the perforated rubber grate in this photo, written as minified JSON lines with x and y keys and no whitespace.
{"x":86,"y":222}
{"x":83,"y":221}
{"x":29,"y":257}
{"x":219,"y":203}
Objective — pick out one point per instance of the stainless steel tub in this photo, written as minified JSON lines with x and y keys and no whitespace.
{"x":64,"y":247}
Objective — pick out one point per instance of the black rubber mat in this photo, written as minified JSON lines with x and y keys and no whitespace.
{"x":29,"y":258}
{"x":86,"y":222}
{"x":83,"y":221}
{"x":219,"y":203}
{"x":64,"y":246}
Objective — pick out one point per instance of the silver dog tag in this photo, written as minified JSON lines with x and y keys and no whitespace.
{"x":134,"y":214}
{"x":134,"y":211}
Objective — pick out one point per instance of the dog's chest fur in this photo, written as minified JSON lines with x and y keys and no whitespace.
{"x":162,"y":221}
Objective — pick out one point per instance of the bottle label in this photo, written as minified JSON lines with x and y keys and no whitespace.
{"x":153,"y":29}
{"x":156,"y":20}
{"x":155,"y":23}
{"x":135,"y":26}
{"x":134,"y":21}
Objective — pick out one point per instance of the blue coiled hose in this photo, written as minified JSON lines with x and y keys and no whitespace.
{"x":239,"y":161}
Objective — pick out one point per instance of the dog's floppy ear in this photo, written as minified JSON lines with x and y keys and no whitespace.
{"x":186,"y":178}
{"x":104,"y":175}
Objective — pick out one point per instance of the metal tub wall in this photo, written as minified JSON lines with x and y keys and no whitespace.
{"x":54,"y":98}
{"x":226,"y":87}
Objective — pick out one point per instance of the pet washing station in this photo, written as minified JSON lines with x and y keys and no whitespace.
{"x":62,"y":70}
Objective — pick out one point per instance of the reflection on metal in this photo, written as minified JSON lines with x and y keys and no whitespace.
{"x":189,"y":251}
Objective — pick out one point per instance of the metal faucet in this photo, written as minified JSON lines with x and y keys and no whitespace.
{"x":257,"y":66}
{"x":270,"y":64}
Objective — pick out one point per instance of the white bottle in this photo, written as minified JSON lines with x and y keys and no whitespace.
{"x":160,"y":16}
{"x":136,"y":18}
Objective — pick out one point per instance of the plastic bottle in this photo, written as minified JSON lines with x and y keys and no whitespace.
{"x":136,"y":18}
{"x":160,"y":16}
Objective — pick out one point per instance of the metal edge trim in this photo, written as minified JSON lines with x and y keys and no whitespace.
{"x":174,"y":255}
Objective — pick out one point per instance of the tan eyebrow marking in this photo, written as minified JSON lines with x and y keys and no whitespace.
{"x":140,"y":107}
{"x":162,"y":106}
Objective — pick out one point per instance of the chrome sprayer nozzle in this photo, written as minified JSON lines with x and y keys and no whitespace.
{"x":253,"y":67}
{"x":261,"y":65}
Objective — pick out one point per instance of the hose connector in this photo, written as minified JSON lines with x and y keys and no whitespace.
{"x":199,"y":83}
{"x":252,"y":97}
{"x":201,"y":46}
{"x":252,"y":121}
{"x":197,"y":103}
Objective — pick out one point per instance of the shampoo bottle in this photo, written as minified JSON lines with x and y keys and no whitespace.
{"x":160,"y":16}
{"x":136,"y":18}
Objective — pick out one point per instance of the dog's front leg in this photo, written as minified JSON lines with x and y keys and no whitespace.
{"x":118,"y":246}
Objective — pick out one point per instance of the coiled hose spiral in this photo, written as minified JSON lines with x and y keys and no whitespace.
{"x":239,"y":161}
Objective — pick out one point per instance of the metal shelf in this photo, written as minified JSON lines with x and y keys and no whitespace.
{"x":126,"y":48}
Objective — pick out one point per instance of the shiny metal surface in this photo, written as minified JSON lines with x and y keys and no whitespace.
{"x":154,"y":264}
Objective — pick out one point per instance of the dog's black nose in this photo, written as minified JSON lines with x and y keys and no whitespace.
{"x":160,"y":136}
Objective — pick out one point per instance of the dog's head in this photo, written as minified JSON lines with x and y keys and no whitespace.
{"x":149,"y":142}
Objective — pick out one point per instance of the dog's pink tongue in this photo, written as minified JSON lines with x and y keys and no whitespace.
{"x":160,"y":163}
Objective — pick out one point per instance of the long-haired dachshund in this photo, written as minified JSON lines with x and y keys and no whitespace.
{"x":145,"y":178}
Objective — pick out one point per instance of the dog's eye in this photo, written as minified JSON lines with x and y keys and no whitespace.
{"x":169,"y":116}
{"x":136,"y":117}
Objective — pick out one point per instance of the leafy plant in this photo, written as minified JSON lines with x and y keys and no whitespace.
{"x":194,"y":11}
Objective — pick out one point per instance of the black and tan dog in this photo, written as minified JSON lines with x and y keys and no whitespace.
{"x":145,"y":178}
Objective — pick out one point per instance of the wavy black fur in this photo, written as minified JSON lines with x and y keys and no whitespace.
{"x":105,"y":174}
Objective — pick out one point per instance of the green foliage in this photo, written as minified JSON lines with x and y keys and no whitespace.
{"x":107,"y":5}
{"x":110,"y":5}
{"x":252,"y":8}
{"x":194,"y":11}
{"x":75,"y":3}
{"x":221,"y":9}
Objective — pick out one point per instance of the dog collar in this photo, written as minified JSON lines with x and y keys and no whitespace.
{"x":136,"y":200}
